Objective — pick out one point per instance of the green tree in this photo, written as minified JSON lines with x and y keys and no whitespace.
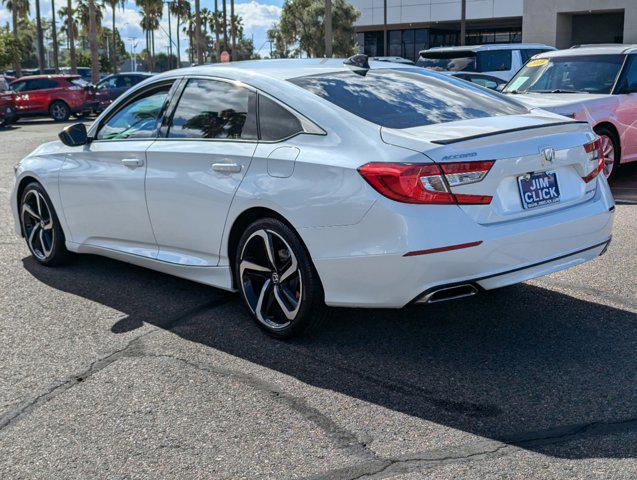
{"x":19,"y":9}
{"x":9,"y":47}
{"x":301,"y":24}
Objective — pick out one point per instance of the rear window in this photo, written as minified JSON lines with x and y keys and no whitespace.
{"x":448,"y":61}
{"x":404,"y":99}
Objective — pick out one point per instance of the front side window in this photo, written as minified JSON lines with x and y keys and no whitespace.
{"x":397,"y":98}
{"x":215,"y":109}
{"x":107,"y":83}
{"x":275,"y":121}
{"x":568,"y":74}
{"x":628,"y":83}
{"x":137,"y":119}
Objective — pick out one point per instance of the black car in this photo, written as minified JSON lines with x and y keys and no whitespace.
{"x":113,"y":86}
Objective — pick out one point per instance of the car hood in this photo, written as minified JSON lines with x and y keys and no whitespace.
{"x":550,"y":101}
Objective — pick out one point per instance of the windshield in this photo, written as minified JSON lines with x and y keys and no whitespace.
{"x":407,"y":98}
{"x":448,"y":61}
{"x":571,"y":74}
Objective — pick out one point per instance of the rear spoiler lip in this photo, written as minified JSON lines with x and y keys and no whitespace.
{"x":499,"y":132}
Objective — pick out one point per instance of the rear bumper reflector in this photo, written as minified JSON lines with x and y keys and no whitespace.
{"x":442,"y":249}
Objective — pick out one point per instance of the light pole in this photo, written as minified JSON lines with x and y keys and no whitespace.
{"x":170,"y":37}
{"x":133,"y":44}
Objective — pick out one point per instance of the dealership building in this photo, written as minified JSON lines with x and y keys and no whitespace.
{"x":404,"y":27}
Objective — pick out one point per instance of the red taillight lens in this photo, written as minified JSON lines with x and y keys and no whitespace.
{"x":595,"y":154}
{"x":408,"y":183}
{"x":428,"y":184}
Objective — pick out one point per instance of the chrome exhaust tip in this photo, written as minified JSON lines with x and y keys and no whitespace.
{"x":448,"y":293}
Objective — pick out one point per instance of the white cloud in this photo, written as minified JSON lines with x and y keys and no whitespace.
{"x":256,"y":14}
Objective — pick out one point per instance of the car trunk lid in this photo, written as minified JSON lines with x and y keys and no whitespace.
{"x":526,"y":149}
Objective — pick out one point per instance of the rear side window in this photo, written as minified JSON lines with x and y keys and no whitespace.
{"x":214,"y":109}
{"x":494,"y":60}
{"x":404,"y":98}
{"x":276,"y":122}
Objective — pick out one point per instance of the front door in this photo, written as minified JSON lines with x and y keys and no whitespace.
{"x":194,"y":172}
{"x":102,"y":183}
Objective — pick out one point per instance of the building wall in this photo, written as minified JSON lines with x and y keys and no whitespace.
{"x":550,"y":21}
{"x":421,"y":11}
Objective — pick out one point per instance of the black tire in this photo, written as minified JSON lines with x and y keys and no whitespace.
{"x":47,"y":244}
{"x":277,"y":286}
{"x":607,"y":133}
{"x":59,"y":111}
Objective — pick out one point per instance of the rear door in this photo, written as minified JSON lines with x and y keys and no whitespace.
{"x":195,"y":169}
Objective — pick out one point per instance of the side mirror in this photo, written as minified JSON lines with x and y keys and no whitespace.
{"x":74,"y":135}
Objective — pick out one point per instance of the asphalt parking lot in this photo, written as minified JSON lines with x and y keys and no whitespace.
{"x":112,"y":371}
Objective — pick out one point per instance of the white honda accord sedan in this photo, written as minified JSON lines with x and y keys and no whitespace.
{"x":305,"y":183}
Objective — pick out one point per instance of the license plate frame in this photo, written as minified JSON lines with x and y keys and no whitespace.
{"x":539,"y":189}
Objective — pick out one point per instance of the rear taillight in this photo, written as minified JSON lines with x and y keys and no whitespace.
{"x":426,"y":184}
{"x":596,"y":156}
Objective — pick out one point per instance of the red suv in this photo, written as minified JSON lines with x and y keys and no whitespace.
{"x":58,"y":96}
{"x":7,"y":104}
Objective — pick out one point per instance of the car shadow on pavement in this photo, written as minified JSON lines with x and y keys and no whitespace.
{"x":523,"y":365}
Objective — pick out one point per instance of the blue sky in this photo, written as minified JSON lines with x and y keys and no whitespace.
{"x":258,"y":16}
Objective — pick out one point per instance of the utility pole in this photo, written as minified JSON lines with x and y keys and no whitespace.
{"x":56,"y":61}
{"x":327,"y":21}
{"x":463,"y":22}
{"x":39,"y":34}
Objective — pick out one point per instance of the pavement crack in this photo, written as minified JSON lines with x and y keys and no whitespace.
{"x":341,"y":437}
{"x":132,"y":348}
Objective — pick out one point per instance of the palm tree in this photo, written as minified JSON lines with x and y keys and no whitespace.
{"x":113,"y":4}
{"x":181,"y":9}
{"x":217,"y":29}
{"x":18,"y":8}
{"x":83,"y":14}
{"x":152,"y":11}
{"x":40,"y":35}
{"x":69,"y":28}
{"x":198,"y":33}
{"x":92,"y":38}
{"x":54,"y":38}
{"x":233,"y":31}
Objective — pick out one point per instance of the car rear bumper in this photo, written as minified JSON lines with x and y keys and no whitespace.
{"x":378,"y":274}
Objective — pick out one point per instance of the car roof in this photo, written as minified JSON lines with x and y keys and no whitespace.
{"x":494,"y":46}
{"x":600,"y":49}
{"x":35,"y":77}
{"x":281,"y":69}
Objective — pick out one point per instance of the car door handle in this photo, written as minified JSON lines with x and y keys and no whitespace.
{"x":132,"y":162}
{"x":227,"y":167}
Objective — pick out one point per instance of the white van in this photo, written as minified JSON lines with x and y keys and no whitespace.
{"x":499,"y":60}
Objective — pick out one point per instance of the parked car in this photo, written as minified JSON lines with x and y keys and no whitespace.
{"x":482,"y":79}
{"x":113,"y":86}
{"x":84,"y":72}
{"x":597,"y":84}
{"x":7,"y":104}
{"x":57,"y":96}
{"x":497,"y":60}
{"x":301,"y":183}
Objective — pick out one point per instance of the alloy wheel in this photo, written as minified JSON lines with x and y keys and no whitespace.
{"x":58,"y":111}
{"x":608,"y":150}
{"x":38,"y":224}
{"x":270,"y":279}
